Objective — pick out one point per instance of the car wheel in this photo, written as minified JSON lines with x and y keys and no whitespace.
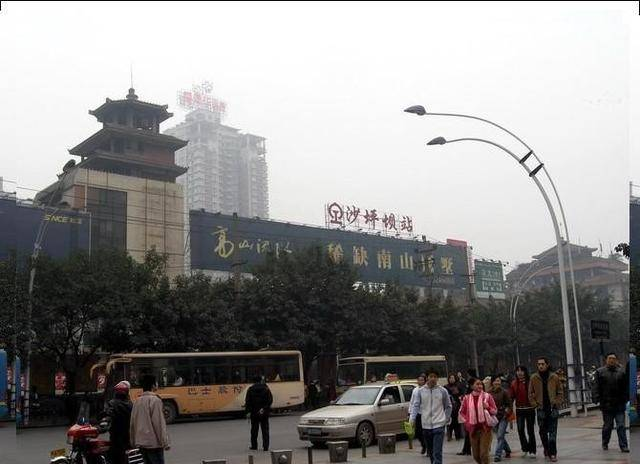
{"x":170,"y":412}
{"x":365,"y":433}
{"x":317,"y":444}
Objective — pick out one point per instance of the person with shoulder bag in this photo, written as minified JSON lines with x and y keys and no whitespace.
{"x":478,"y":414}
{"x":525,"y":413}
{"x":503,"y":403}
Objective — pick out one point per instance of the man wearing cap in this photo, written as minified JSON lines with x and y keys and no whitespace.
{"x":118,"y":413}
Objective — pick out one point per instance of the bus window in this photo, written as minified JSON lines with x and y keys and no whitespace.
{"x":182,"y":367}
{"x":221,"y":371}
{"x":350,"y":374}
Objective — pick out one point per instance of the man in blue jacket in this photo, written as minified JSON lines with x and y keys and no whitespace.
{"x":434,"y":405}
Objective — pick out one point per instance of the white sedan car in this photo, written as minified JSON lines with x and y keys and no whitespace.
{"x":359,"y":414}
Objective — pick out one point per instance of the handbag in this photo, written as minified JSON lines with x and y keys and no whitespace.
{"x":491,"y":420}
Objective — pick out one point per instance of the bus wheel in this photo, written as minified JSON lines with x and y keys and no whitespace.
{"x":170,"y":411}
{"x":365,"y":433}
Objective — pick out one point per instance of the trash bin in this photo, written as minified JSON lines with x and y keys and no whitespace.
{"x":281,"y":457}
{"x":387,"y":443}
{"x":338,"y":451}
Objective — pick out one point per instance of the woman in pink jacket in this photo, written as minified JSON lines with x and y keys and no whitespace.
{"x":478,"y":413}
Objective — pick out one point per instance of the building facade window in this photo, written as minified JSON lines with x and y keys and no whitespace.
{"x":108,"y":210}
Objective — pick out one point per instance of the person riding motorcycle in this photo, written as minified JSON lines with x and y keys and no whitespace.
{"x":117,"y":414}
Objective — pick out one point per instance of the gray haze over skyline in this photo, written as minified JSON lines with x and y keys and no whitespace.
{"x":326,"y":85}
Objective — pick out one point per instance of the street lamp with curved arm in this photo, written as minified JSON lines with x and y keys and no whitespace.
{"x":563,"y":282}
{"x":421,"y":111}
{"x":514,"y":306}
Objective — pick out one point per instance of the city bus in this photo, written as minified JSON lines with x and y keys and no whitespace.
{"x":208,"y":383}
{"x":358,"y":370}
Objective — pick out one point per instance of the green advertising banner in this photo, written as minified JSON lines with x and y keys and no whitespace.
{"x":489,"y":279}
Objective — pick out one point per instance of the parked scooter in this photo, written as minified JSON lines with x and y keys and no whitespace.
{"x":86,"y":445}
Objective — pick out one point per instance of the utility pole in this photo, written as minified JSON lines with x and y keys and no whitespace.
{"x":474,"y":339}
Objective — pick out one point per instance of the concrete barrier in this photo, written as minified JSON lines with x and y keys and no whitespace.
{"x":338,"y":451}
{"x":281,"y":457}
{"x":387,"y":443}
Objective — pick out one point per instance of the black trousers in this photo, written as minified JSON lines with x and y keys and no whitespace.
{"x":261,"y":421}
{"x":466,"y":447}
{"x":526,"y":419}
{"x":118,"y":454}
{"x":419,"y":433}
{"x":455,"y":427}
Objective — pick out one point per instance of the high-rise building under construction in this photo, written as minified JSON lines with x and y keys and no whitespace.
{"x":227,"y":169}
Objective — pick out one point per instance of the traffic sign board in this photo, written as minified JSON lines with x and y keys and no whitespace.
{"x":600,"y":330}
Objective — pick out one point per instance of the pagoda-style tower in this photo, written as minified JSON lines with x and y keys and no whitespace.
{"x":126,"y":179}
{"x":130,"y":142}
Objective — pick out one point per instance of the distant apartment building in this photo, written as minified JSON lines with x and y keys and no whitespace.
{"x":227,"y":170}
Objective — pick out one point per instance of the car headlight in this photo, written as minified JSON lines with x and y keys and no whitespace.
{"x":303,"y":421}
{"x":335,"y":421}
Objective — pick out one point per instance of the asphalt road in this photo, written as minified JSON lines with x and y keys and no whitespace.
{"x":579,"y":443}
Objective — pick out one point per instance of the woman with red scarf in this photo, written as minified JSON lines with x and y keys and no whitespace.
{"x":478,"y":413}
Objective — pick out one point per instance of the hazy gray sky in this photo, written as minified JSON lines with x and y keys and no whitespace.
{"x":326,"y":85}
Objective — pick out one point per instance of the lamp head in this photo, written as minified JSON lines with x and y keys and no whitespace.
{"x":437,"y":141}
{"x":416,"y":109}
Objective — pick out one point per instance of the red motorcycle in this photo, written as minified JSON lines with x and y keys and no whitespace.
{"x":86,"y":445}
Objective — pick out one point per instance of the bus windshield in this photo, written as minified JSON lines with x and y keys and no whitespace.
{"x":350,"y":374}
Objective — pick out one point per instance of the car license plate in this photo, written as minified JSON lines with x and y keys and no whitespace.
{"x":315,"y":431}
{"x":57,"y":453}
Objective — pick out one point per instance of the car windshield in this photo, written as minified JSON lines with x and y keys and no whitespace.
{"x":358,"y":396}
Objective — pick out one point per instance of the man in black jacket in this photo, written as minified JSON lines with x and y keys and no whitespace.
{"x":610,"y":390}
{"x":118,"y":415}
{"x":257,"y":405}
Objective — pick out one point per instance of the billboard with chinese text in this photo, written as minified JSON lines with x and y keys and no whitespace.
{"x":66,"y":231}
{"x":219,"y":242}
{"x":489,"y":279}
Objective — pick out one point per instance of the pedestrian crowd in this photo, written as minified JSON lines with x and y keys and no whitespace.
{"x":478,"y":411}
{"x":481,"y":411}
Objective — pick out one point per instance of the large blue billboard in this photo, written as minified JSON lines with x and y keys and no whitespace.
{"x":221,"y":242}
{"x":66,"y":231}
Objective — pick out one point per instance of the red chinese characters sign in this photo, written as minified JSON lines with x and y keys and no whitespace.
{"x":60,"y":382}
{"x":201,"y":97}
{"x":356,"y":218}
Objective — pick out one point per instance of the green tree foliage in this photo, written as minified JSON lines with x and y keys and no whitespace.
{"x":107,"y":302}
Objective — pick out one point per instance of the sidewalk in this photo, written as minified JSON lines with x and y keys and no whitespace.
{"x":579,"y":442}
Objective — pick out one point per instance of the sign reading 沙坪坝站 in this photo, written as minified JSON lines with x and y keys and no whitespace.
{"x":223,"y":243}
{"x":355,"y":218}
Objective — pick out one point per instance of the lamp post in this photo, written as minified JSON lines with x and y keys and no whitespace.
{"x":37,"y":246}
{"x":559,"y":242}
{"x":513,"y":312}
{"x":421,"y":111}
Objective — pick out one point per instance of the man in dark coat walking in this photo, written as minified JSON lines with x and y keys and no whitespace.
{"x":258,"y":405}
{"x":611,"y":391}
{"x":118,"y":415}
